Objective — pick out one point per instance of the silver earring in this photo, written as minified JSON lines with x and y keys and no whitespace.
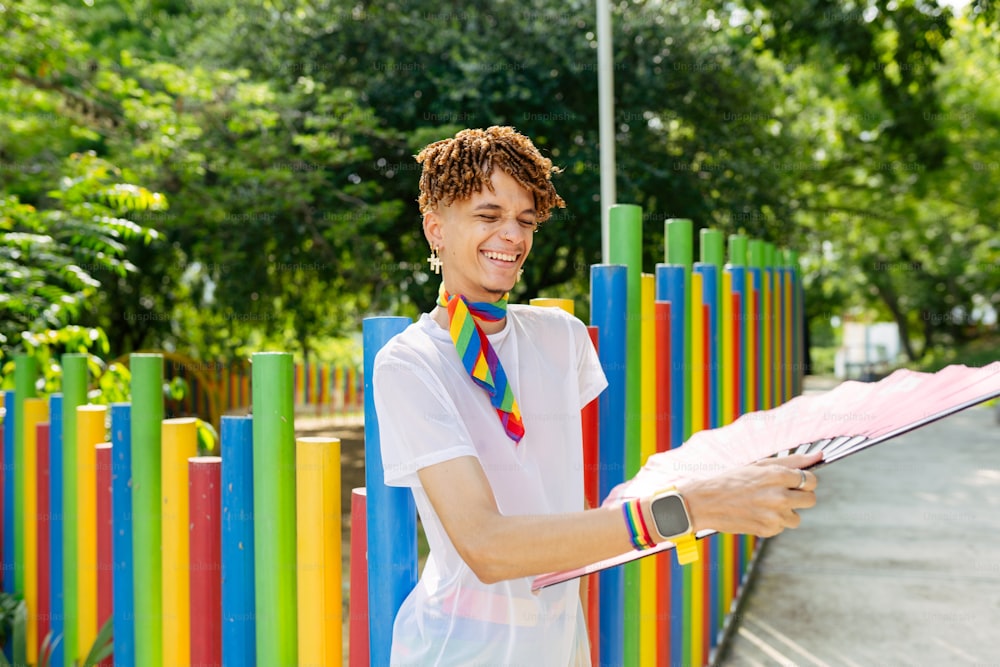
{"x":520,"y":272}
{"x":434,"y":260}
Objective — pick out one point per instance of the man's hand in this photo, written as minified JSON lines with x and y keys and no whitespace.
{"x":759,"y":499}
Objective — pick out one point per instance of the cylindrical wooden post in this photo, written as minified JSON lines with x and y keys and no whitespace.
{"x":680,"y":252}
{"x":694,"y":599}
{"x":609,"y":290}
{"x":25,"y":375}
{"x":358,"y":645}
{"x":648,"y":641}
{"x":57,"y":591}
{"x":239,"y":636}
{"x":671,"y":287}
{"x":9,"y":468}
{"x":317,"y":487}
{"x":147,"y":416}
{"x":664,"y":360}
{"x":392,"y":516}
{"x":35,"y":411}
{"x":105,"y":557}
{"x":43,"y":611}
{"x":7,"y":475}
{"x":123,"y":606}
{"x":552,"y":302}
{"x":626,"y":248}
{"x":274,"y":508}
{"x":180,"y":442}
{"x":728,"y":409}
{"x":205,"y":553}
{"x":90,"y":432}
{"x":74,"y":390}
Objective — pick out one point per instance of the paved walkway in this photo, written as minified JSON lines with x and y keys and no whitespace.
{"x":898,"y":564}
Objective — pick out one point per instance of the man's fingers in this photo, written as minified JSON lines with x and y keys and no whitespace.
{"x":802,"y":500}
{"x":762,"y":499}
{"x":797,"y":460}
{"x":796,"y":477}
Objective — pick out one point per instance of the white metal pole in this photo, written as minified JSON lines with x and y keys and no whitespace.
{"x":606,"y":119}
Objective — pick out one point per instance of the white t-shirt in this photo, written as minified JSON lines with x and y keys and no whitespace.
{"x":431,"y":411}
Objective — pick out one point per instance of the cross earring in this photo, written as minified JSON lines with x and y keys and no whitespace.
{"x":434,"y":260}
{"x":520,"y":272}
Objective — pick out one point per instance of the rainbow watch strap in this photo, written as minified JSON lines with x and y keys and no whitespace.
{"x":638,"y":532}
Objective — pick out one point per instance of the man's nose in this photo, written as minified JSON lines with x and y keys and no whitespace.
{"x":511,"y":229}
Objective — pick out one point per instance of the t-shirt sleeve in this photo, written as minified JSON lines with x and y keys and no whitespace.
{"x":418,"y":422}
{"x":590,"y":374}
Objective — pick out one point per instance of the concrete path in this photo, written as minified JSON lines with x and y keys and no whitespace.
{"x":898,"y":564}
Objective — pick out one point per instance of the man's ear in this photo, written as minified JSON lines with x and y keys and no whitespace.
{"x":433,"y":231}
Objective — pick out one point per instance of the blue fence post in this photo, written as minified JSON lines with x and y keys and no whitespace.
{"x":671,"y":286}
{"x":57,"y":598}
{"x":609,"y":290}
{"x":121,"y":545}
{"x":8,"y":493}
{"x":392,"y":515}
{"x":239,"y":637}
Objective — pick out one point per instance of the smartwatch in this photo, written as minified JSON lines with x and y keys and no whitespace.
{"x":673,"y":523}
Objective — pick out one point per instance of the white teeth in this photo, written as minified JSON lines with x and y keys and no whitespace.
{"x":500,"y":255}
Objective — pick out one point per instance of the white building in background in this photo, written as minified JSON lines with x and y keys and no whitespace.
{"x":867,"y":350}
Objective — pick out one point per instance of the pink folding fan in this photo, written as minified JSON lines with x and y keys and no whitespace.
{"x":840,"y":422}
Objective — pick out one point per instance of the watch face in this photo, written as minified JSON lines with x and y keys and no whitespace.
{"x":670,"y":517}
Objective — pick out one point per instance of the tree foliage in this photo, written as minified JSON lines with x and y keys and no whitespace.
{"x":282,"y":134}
{"x":49,"y":257}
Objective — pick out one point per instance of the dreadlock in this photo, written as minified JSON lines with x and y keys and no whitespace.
{"x":456,"y":168}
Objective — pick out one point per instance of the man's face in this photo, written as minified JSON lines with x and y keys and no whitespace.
{"x":485,"y":239}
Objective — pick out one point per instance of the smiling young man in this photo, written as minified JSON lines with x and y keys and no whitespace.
{"x":479,"y":414}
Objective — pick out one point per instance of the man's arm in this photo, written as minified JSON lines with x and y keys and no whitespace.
{"x":759,"y":499}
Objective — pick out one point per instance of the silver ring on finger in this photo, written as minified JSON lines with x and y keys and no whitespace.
{"x":802,"y":480}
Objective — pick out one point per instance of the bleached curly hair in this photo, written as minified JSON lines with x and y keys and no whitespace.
{"x":454,"y":169}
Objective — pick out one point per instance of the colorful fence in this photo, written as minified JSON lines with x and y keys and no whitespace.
{"x":207,"y":560}
{"x":217,"y":388}
{"x":109,"y":515}
{"x":690,"y":346}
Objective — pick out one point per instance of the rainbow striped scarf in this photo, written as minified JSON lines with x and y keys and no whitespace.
{"x":479,"y":357}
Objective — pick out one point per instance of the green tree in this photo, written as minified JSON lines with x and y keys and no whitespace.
{"x":243,"y":162}
{"x":49,"y":256}
{"x":891,"y":234}
{"x":284,"y":134}
{"x":430,"y":69}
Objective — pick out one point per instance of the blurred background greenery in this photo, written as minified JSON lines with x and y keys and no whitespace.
{"x":212,"y":177}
